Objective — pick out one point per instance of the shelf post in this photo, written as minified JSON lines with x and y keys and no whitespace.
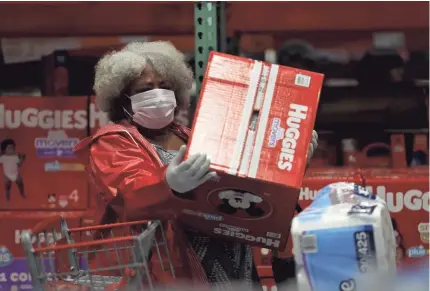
{"x":210,"y":34}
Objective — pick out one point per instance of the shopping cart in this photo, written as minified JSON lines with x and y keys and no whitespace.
{"x":120,"y":258}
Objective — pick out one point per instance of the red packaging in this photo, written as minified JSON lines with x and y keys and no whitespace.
{"x":254,"y":120}
{"x":406,"y":192}
{"x":13,"y":265}
{"x":44,"y":131}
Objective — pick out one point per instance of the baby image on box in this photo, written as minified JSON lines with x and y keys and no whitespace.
{"x":11,"y":162}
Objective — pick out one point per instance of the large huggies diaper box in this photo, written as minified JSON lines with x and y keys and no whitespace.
{"x":254,"y":120}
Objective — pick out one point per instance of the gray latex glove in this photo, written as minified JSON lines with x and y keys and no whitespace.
{"x":183,"y":176}
{"x":313,"y":145}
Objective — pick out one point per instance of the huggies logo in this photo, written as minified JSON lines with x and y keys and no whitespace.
{"x":412,"y":199}
{"x":51,"y":119}
{"x":296,"y":114}
{"x":266,"y":241}
{"x":307,"y":194}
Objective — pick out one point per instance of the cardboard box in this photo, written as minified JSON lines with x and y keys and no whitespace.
{"x":255,"y":122}
{"x":314,"y":180}
{"x":406,"y":192}
{"x":44,"y":131}
{"x":14,"y":272}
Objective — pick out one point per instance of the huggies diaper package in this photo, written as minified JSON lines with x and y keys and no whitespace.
{"x":344,"y":240}
{"x":254,"y":120}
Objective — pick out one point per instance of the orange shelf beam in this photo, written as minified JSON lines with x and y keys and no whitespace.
{"x":54,"y":19}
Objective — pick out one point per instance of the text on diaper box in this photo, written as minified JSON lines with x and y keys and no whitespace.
{"x":365,"y":250}
{"x":296,"y":114}
{"x":48,"y":238}
{"x":362,"y":208}
{"x":412,"y":199}
{"x":271,"y":239}
{"x":15,"y":277}
{"x":51,"y":119}
{"x":206,"y":216}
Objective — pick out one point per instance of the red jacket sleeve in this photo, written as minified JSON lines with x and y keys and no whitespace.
{"x":132,"y":184}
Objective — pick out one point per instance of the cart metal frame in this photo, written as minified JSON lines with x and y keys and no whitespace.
{"x":119,"y":259}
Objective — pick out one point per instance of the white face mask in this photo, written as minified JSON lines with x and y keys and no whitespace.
{"x":153,"y":109}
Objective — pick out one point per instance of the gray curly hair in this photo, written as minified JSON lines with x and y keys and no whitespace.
{"x":117,"y":69}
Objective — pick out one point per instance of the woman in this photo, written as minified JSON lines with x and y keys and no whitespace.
{"x":141,"y":87}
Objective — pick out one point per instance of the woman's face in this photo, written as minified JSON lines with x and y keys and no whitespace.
{"x":147,"y":81}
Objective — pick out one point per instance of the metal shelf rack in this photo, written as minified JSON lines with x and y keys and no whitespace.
{"x":210,"y":34}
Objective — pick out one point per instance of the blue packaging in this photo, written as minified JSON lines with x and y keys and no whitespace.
{"x":345,"y":235}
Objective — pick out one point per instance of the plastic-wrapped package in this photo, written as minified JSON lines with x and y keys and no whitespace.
{"x":343,"y":240}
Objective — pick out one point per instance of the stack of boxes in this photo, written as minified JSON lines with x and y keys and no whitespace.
{"x":41,"y":177}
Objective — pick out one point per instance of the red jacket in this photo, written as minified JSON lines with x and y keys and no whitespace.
{"x":131,"y":180}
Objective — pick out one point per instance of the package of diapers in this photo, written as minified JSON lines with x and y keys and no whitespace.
{"x":343,"y":241}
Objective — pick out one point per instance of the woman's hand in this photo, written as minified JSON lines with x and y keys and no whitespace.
{"x":313,"y":145}
{"x":184,"y":176}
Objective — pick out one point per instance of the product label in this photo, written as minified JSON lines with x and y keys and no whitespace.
{"x":206,"y":216}
{"x":362,"y":208}
{"x":307,"y":194}
{"x":417,"y":252}
{"x":56,"y":144}
{"x":423,"y":227}
{"x":48,"y":239}
{"x":51,"y":119}
{"x":296,"y":115}
{"x":234,"y":228}
{"x":56,"y":166}
{"x":236,"y":233}
{"x":302,"y":80}
{"x":6,"y":256}
{"x":16,"y":276}
{"x":365,"y":251}
{"x":412,"y":199}
{"x":276,"y":132}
